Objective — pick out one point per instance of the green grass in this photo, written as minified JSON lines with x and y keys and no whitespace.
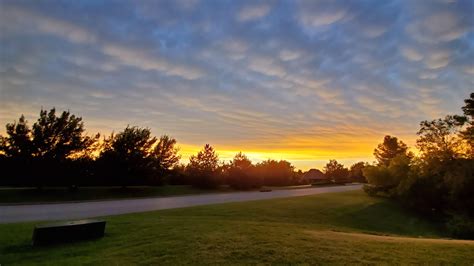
{"x":61,"y":194}
{"x":303,"y":230}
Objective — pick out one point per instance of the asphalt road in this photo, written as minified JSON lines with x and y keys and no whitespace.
{"x":66,"y":211}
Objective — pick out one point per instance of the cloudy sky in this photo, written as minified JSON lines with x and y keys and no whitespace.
{"x":305,"y":81}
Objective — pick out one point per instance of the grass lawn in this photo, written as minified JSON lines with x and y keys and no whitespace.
{"x":59,"y":194}
{"x":337,"y":228}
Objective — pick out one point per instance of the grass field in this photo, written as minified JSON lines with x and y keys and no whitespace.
{"x":337,"y":228}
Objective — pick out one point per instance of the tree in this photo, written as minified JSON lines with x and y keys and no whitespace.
{"x":241,"y":173}
{"x":202,"y":168}
{"x":178,"y":175}
{"x":439,"y":182}
{"x":59,"y":137}
{"x":468,"y":108}
{"x":468,"y":133}
{"x":336,"y":172}
{"x":16,"y":154}
{"x":126,"y":156}
{"x":356,"y":173}
{"x":389,"y":149}
{"x":275,"y":173}
{"x":299,"y":178}
{"x":43,"y":155}
{"x":438,"y":139}
{"x":165,"y":154}
{"x":387,"y":179}
{"x":19,"y":142}
{"x":241,"y":161}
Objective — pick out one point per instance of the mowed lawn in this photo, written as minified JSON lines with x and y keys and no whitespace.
{"x":338,"y":228}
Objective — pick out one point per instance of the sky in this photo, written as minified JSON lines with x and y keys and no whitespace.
{"x":305,"y":81}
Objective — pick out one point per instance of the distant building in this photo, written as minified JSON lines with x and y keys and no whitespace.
{"x":315,"y":176}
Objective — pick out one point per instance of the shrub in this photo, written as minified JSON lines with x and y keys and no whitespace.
{"x":461,"y":226}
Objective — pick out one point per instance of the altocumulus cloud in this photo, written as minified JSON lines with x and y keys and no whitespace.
{"x":309,"y":79}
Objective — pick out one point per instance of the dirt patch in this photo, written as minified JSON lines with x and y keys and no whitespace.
{"x":384,"y":238}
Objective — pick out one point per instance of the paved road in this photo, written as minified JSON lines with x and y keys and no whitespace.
{"x":63,"y":211}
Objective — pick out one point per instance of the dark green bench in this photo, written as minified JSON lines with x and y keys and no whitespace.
{"x":61,"y":232}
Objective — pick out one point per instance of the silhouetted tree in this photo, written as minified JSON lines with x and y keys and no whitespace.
{"x":59,"y":137}
{"x":275,"y":173}
{"x":336,"y":172}
{"x":468,"y":133}
{"x":356,"y":173}
{"x":241,"y":173}
{"x":299,"y":178}
{"x":47,"y":150}
{"x":389,"y":149}
{"x":126,"y":156}
{"x":18,"y":142}
{"x":468,"y":108}
{"x":165,"y":155}
{"x":16,"y":154}
{"x":202,"y":168}
{"x":178,"y":175}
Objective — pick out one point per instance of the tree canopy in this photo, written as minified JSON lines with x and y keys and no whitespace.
{"x":52,"y":137}
{"x":336,"y":172}
{"x":439,"y":182}
{"x":439,"y":138}
{"x":165,"y":154}
{"x":202,"y":168}
{"x":389,"y":149}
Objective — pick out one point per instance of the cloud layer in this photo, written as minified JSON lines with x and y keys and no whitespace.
{"x":301,"y":80}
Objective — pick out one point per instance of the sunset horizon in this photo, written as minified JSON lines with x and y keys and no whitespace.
{"x":303,"y":81}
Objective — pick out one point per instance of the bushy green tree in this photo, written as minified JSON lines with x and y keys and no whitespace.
{"x":439,"y":182}
{"x":378,"y":179}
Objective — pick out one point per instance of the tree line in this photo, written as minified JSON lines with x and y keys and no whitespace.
{"x":439,"y":181}
{"x":56,"y":151}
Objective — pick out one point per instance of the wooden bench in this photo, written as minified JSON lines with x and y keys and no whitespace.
{"x":61,"y":232}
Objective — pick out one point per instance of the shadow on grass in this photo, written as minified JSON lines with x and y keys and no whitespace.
{"x":27,"y":246}
{"x":390,"y":218}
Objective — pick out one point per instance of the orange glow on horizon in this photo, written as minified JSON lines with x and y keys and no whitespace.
{"x":304,"y":159}
{"x":303,"y":151}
